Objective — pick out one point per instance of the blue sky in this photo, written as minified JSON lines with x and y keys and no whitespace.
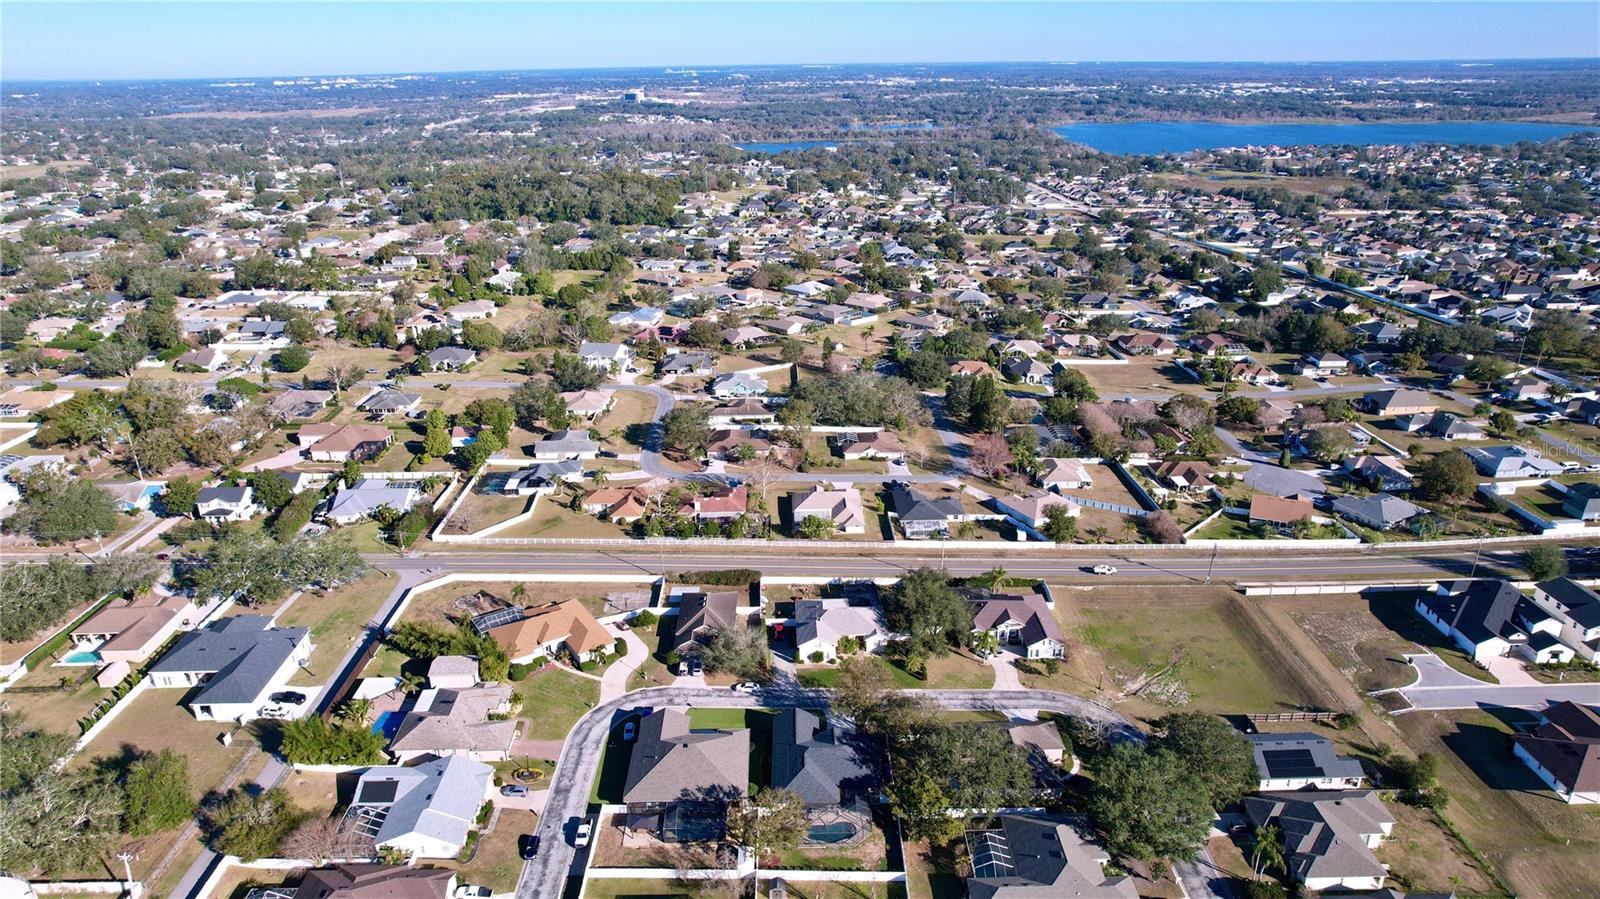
{"x":69,"y":40}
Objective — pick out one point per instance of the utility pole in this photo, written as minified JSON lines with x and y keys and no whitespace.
{"x":125,"y":857}
{"x":1477,"y":551}
{"x":1215,"y":551}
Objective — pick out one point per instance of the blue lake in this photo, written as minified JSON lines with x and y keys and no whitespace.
{"x":786,"y":146}
{"x":1138,"y":138}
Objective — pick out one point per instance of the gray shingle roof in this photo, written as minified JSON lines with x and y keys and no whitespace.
{"x":241,"y":654}
{"x":812,"y":761}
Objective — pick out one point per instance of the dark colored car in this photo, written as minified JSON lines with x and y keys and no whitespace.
{"x":289,"y":698}
{"x":528,"y":845}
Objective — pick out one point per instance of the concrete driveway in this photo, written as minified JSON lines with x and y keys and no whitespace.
{"x":1438,"y":687}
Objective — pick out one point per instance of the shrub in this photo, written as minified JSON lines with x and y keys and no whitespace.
{"x":620,"y":647}
{"x":726,"y":577}
{"x":519,"y":671}
{"x":251,"y":825}
{"x":588,"y":666}
{"x":646,"y":618}
{"x":816,"y":657}
{"x":313,"y":741}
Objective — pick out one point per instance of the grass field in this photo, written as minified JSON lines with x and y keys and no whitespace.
{"x":1224,"y":659}
{"x":337,"y":620}
{"x":956,"y":671}
{"x":553,"y":701}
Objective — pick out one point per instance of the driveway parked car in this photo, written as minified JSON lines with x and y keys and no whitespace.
{"x":288,"y":697}
{"x":515,"y":791}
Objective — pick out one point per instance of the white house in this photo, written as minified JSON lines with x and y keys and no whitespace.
{"x":424,"y":811}
{"x":218,"y":504}
{"x":819,"y":624}
{"x":235,"y":662}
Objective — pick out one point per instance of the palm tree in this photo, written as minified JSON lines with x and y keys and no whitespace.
{"x":600,"y":477}
{"x":519,"y":592}
{"x":1268,"y":850}
{"x":354,"y":711}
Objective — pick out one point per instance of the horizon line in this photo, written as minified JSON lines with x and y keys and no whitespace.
{"x":710,"y":67}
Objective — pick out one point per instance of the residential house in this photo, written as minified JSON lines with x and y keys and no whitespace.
{"x":1576,"y":609}
{"x":445,"y":721}
{"x":1038,"y":856}
{"x":721,"y":504}
{"x":1302,"y":761}
{"x":1039,"y":738}
{"x":1277,"y":512}
{"x":738,"y":384}
{"x":831,"y":775}
{"x":1379,"y":472}
{"x":297,"y":403}
{"x":367,"y":881}
{"x":220,"y":504}
{"x":1146,"y":344}
{"x":451,"y":358}
{"x":672,"y":764}
{"x":1492,"y":618}
{"x":921,"y":517}
{"x":623,"y":505}
{"x":384,"y":403}
{"x":1024,"y":370}
{"x":570,"y":444}
{"x":1328,"y":835}
{"x":1511,"y":462}
{"x":549,"y":631}
{"x":1032,"y":510}
{"x":606,"y":355}
{"x":1382,"y":511}
{"x":205,"y":358}
{"x":840,"y":505}
{"x":1400,"y":401}
{"x":421,"y":811}
{"x":1582,"y":501}
{"x":819,"y":625}
{"x":129,"y":631}
{"x":1185,"y":476}
{"x":746,"y":411}
{"x":1023,"y":621}
{"x":588,"y":404}
{"x":1323,"y":365}
{"x":543,"y":477}
{"x":1564,"y":751}
{"x":728,"y":443}
{"x":1443,"y":425}
{"x":352,"y":504}
{"x":701,"y":616}
{"x":235,"y":663}
{"x":338,"y":443}
{"x":699,"y":365}
{"x":1064,"y":474}
{"x":876,"y":445}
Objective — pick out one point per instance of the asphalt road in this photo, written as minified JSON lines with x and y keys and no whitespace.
{"x":545,"y":876}
{"x":1134,"y":565}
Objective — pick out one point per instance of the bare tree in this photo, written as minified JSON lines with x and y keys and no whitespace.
{"x":317,"y":839}
{"x":342,"y":375}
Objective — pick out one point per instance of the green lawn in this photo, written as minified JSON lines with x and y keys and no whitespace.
{"x":553,"y":701}
{"x":956,"y":671}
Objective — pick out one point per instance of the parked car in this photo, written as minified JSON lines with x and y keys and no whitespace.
{"x":514,"y":791}
{"x":288,"y":697}
{"x":630,"y":729}
{"x":580,"y":836}
{"x":528,"y":845}
{"x":1104,"y":569}
{"x":472,"y":891}
{"x":696,"y":667}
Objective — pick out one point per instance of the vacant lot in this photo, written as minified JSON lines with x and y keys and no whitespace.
{"x":1354,"y":638}
{"x":1205,"y":642}
{"x":956,"y":671}
{"x":1533,"y":839}
{"x":1142,"y":376}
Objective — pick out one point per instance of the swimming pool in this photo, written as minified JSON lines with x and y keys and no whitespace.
{"x":835,"y":832}
{"x":387,"y":724}
{"x":81,"y":657}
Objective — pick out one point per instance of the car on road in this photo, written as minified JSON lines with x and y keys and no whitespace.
{"x":372,"y":371}
{"x":1590,"y":469}
{"x":580,"y":836}
{"x":1104,"y":569}
{"x":746,"y":686}
{"x":514,"y":791}
{"x":528,"y":846}
{"x":630,"y":729}
{"x":288,"y":697}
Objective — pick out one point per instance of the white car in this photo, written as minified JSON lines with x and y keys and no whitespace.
{"x":746,"y":686}
{"x":580,"y":837}
{"x":1105,"y":569}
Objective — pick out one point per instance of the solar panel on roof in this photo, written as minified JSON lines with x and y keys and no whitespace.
{"x":1291,"y":763}
{"x":489,"y":620}
{"x":378,"y":791}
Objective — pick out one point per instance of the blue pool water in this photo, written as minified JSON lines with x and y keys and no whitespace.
{"x":1138,"y":138}
{"x":81,"y":657}
{"x":837,"y":832}
{"x":387,"y":724}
